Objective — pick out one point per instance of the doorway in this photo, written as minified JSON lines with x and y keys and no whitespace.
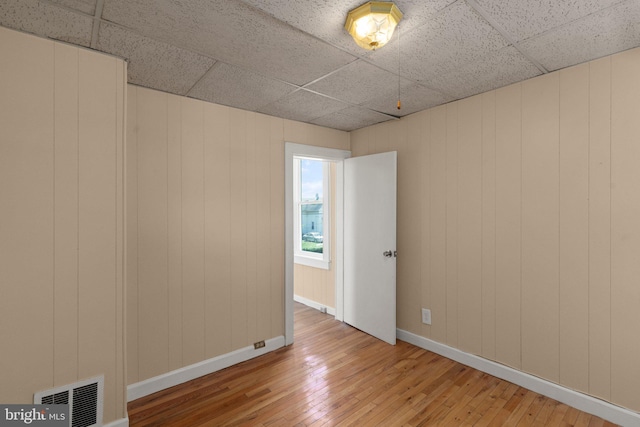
{"x":335,"y":156}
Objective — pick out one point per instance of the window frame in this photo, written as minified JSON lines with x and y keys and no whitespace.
{"x":312,"y":259}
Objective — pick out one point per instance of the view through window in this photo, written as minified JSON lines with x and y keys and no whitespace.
{"x":311,"y":205}
{"x":312,"y":212}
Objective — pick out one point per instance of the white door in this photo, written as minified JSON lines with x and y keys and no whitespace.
{"x":370,"y":244}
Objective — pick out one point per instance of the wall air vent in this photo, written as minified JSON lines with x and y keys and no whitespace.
{"x":85,"y":400}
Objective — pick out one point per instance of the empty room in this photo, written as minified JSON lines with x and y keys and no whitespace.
{"x":308,"y":213}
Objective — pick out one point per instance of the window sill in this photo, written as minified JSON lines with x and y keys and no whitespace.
{"x":312,"y":262}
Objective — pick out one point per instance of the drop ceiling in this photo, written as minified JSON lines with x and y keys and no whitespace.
{"x":293,"y":58}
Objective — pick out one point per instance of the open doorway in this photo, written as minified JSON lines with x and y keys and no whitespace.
{"x":310,"y":217}
{"x":314,"y":233}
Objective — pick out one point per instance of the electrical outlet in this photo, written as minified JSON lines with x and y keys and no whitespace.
{"x":426,"y":316}
{"x":259,"y":344}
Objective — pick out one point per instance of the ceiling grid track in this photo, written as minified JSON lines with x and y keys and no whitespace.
{"x":504,"y":34}
{"x":96,"y":24}
{"x":211,"y":69}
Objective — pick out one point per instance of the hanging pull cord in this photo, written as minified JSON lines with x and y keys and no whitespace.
{"x":399,"y":103}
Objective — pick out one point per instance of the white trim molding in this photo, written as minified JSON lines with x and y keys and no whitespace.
{"x":581,"y":401}
{"x":122,"y":422}
{"x":188,"y":373}
{"x":313,"y":304}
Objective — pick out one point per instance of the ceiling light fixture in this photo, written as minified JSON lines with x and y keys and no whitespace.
{"x":371,"y":25}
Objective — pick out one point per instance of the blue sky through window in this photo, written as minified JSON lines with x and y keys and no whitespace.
{"x":311,"y":179}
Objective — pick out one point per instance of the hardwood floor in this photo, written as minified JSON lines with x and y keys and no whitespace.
{"x":336,"y":375}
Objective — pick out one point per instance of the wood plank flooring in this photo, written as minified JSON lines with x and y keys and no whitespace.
{"x":335,"y":375}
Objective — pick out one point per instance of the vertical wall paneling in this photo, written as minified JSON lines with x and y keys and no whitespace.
{"x":625,"y":228}
{"x":97,"y":195}
{"x":380,"y":141}
{"x":396,"y":136}
{"x":301,"y":281}
{"x":317,"y":284}
{"x":193,"y":331}
{"x":66,"y":214}
{"x":238,"y":228}
{"x":489,"y":225}
{"x":263,"y":225}
{"x":438,"y":222}
{"x":26,"y":214}
{"x":540,"y":233}
{"x":294,"y":131}
{"x":61,"y":234}
{"x":412,"y":174}
{"x":152,"y":234}
{"x":574,"y":227}
{"x":470,"y":224}
{"x":317,"y":287}
{"x":451,"y":191}
{"x":277,"y":226}
{"x":360,"y":141}
{"x":406,"y":305}
{"x":132,"y":236}
{"x":212,"y":217}
{"x":120,"y":253}
{"x":529,"y":224}
{"x":330,"y":276}
{"x":423,"y":121}
{"x":325,"y":137}
{"x":407,"y":245}
{"x":174,"y":228}
{"x":600,"y":228}
{"x":409,"y":232}
{"x":251,"y":241}
{"x":508,"y":219}
{"x":217,"y":235}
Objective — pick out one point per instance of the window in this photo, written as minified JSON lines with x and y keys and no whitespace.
{"x":311,"y":212}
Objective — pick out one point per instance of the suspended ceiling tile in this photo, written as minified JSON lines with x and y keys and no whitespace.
{"x":229,"y":85}
{"x":525,"y":19}
{"x":351,"y":118}
{"x":357,"y":82}
{"x":84,"y":6}
{"x":495,"y":70}
{"x":417,"y":12}
{"x":153,"y":64}
{"x":448,"y":48}
{"x":231,"y":32}
{"x":325,"y":19}
{"x":603,"y":33}
{"x":455,"y":37}
{"x":414,"y":97}
{"x":303,"y":106}
{"x":46,"y":20}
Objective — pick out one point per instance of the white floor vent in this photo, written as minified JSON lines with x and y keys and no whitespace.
{"x":85,"y":400}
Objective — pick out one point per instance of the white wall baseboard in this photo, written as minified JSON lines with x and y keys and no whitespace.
{"x":581,"y":401}
{"x":313,"y":304}
{"x":122,"y":422}
{"x":188,"y":373}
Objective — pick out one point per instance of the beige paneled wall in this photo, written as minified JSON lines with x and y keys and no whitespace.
{"x":205,"y":228}
{"x":518,"y":224}
{"x":317,"y":284}
{"x":61,"y":219}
